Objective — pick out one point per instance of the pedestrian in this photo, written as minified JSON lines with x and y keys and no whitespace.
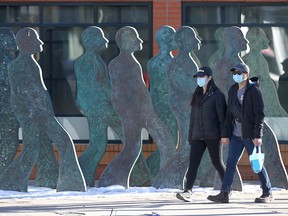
{"x":243,"y":128}
{"x":208,"y":109}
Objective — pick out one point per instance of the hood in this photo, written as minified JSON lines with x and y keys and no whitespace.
{"x":254,"y":81}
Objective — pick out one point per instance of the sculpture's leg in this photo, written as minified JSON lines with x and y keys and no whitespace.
{"x":169,"y":120}
{"x":163,"y":138}
{"x":153,"y":163}
{"x":118,"y":171}
{"x":91,"y":157}
{"x":47,"y":165}
{"x":172,"y":175}
{"x":273,"y":163}
{"x":140,"y":176}
{"x":70,"y":175}
{"x":9,"y":141}
{"x":16,"y":176}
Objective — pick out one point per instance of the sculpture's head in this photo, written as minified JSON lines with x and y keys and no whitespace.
{"x":28,"y":41}
{"x":127,"y":39}
{"x":93,"y":38}
{"x":186,"y":38}
{"x":233,"y":37}
{"x":257,"y":38}
{"x":165,"y":38}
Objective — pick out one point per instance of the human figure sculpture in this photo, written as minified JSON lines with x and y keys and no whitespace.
{"x":94,"y":99}
{"x":32,"y":105}
{"x":234,"y":42}
{"x":259,"y":68}
{"x":157,"y":69}
{"x":216,"y":56}
{"x":9,"y":125}
{"x":133,"y":103}
{"x":181,"y":85}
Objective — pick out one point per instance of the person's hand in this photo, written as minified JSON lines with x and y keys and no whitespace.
{"x":257,"y":141}
{"x":225,"y":141}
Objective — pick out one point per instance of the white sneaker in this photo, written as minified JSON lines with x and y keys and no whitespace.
{"x":186,"y":195}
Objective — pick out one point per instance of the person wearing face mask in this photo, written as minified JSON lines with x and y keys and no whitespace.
{"x":243,"y":128}
{"x":208,"y":109}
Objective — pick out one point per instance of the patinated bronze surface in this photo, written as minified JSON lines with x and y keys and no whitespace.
{"x":217,"y":56}
{"x":234,"y":42}
{"x":157,"y":69}
{"x":94,"y":99}
{"x":32,"y":105}
{"x":133,"y":103}
{"x":181,"y":86}
{"x":9,"y":125}
{"x":259,"y":68}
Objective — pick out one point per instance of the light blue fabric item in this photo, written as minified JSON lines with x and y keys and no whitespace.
{"x":257,"y":159}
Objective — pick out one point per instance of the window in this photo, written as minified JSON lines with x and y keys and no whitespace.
{"x":209,"y":19}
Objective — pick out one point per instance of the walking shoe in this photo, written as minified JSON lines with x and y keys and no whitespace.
{"x":186,"y":195}
{"x":264,"y":198}
{"x":222,"y":197}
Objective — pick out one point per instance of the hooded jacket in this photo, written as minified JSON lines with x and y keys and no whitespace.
{"x":207,"y":117}
{"x":252,"y":111}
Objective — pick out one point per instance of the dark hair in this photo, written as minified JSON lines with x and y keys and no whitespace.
{"x":199,"y":91}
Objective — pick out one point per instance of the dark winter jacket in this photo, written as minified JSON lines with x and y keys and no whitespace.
{"x":252,"y":111}
{"x":207,"y":117}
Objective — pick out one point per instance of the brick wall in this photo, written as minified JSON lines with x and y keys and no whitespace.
{"x":114,"y":149}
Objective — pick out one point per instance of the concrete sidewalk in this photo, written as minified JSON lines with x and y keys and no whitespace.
{"x":144,"y":204}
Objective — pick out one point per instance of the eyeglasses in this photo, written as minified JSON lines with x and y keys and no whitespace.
{"x":238,"y":72}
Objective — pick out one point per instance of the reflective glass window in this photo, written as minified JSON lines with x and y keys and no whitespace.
{"x":68,"y":14}
{"x":264,"y":14}
{"x":211,"y":15}
{"x":19,"y":14}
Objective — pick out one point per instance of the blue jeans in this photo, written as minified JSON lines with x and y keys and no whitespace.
{"x":236,"y":147}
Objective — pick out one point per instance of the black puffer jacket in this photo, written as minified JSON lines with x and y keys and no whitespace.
{"x":252,"y":111}
{"x":207,"y":117}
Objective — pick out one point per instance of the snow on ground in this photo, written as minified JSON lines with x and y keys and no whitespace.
{"x":43,"y":192}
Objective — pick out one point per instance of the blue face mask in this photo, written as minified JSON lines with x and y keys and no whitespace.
{"x":238,"y":78}
{"x":201,"y":81}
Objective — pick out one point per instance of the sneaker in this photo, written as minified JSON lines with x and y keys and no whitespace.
{"x":264,"y":198}
{"x":222,"y":197}
{"x":186,"y":195}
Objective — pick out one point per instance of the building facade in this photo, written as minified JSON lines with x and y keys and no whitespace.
{"x":60,"y":23}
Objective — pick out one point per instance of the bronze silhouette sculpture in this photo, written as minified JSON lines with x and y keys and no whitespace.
{"x":181,"y":85}
{"x":159,"y":90}
{"x":133,"y":103}
{"x":8,"y":121}
{"x":234,"y":42}
{"x":259,"y":68}
{"x":32,"y":105}
{"x":94,"y":99}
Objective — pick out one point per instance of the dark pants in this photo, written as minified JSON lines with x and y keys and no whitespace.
{"x":236,"y":147}
{"x":197,"y":150}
